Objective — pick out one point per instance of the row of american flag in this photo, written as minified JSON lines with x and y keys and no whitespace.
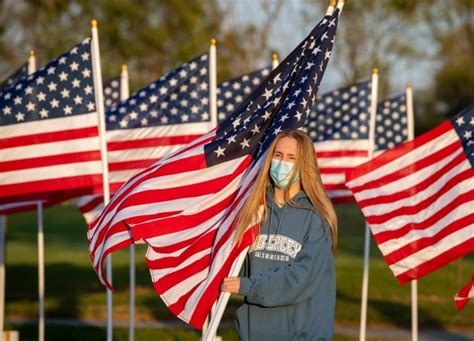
{"x":178,"y":180}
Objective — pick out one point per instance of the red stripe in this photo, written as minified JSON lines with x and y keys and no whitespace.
{"x":426,"y":203}
{"x":334,"y":187}
{"x":177,"y":307}
{"x":51,"y":160}
{"x":151,"y":142}
{"x":54,"y":136}
{"x":92,"y":204}
{"x":341,"y":153}
{"x":89,"y":184}
{"x":342,"y":200}
{"x":437,"y":262}
{"x":334,"y":170}
{"x":416,"y":166}
{"x":399,"y":151}
{"x":428,"y":242}
{"x":423,"y":185}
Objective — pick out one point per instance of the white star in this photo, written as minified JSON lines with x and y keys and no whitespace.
{"x":231,"y":139}
{"x":123,"y":123}
{"x":174,"y":111}
{"x":203,"y":71}
{"x":65,"y":93}
{"x":291,"y":105}
{"x":267,"y":115}
{"x":54,"y":103}
{"x":173,"y":82}
{"x":309,"y":65}
{"x":17,"y":100}
{"x":144,"y":121}
{"x":284,"y":118}
{"x":86,"y":73}
{"x":62,"y":60}
{"x":332,"y":22}
{"x":183,"y":73}
{"x":467,"y":134}
{"x":51,"y":70}
{"x":460,"y":120}
{"x":133,"y":115}
{"x":20,"y":117}
{"x":276,"y":79}
{"x":327,"y":55}
{"x":184,"y":118}
{"x":267,"y":94}
{"x":74,"y":66}
{"x":164,"y":119}
{"x":471,"y":122}
{"x":236,"y":122}
{"x":90,"y":106}
{"x":277,"y":131}
{"x":255,"y":130}
{"x":298,"y":115}
{"x":8,"y":110}
{"x":44,"y":113}
{"x":219,"y":151}
{"x":85,"y":56}
{"x":68,"y":110}
{"x":153,"y":98}
{"x":183,"y":88}
{"x":303,"y":79}
{"x":205,"y":116}
{"x":297,"y":92}
{"x":316,"y":50}
{"x":164,"y":105}
{"x":88,"y":90}
{"x":63,"y":76}
{"x":194,"y":109}
{"x":143,"y":107}
{"x":203,"y":86}
{"x":76,"y":83}
{"x":78,"y":100}
{"x":193,"y":79}
{"x":325,"y":36}
{"x":29,"y":90}
{"x":41,"y":96}
{"x":184,"y":103}
{"x":30,"y":106}
{"x":245,"y":143}
{"x":52,"y":86}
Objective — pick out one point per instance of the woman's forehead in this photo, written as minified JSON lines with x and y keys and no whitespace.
{"x":287,"y":145}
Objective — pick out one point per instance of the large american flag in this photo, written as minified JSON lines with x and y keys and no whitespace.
{"x":232,"y":92}
{"x":12,"y":79}
{"x":49,"y":130}
{"x":184,"y":205}
{"x":153,"y":122}
{"x":338,"y":124}
{"x":418,"y":198}
{"x":391,"y":123}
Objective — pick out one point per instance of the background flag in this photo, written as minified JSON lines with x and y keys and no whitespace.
{"x":418,"y":198}
{"x":339,"y":126}
{"x":465,"y":294}
{"x":184,"y":205}
{"x":14,"y":77}
{"x":391,"y":123}
{"x":49,"y":130}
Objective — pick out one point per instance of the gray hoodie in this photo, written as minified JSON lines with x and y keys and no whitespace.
{"x":288,"y":279}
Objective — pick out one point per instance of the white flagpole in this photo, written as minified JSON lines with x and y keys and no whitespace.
{"x":365,"y":274}
{"x":99,"y":99}
{"x":40,"y":270}
{"x":414,"y":283}
{"x":124,"y":94}
{"x":275,"y":60}
{"x":213,"y":83}
{"x":32,"y":62}
{"x":3,"y":227}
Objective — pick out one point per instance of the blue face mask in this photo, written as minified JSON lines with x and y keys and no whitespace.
{"x":280,"y":171}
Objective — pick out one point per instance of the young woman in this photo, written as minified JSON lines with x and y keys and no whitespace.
{"x":288,"y":278}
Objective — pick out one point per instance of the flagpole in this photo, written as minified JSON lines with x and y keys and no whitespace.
{"x":275,"y":60}
{"x":32,"y":62}
{"x":3,"y":228}
{"x":213,"y":83}
{"x":40,"y":271}
{"x":124,"y":94}
{"x":365,"y":274}
{"x":99,"y":99}
{"x":414,"y":283}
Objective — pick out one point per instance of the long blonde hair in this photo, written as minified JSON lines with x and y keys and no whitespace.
{"x":311,"y":183}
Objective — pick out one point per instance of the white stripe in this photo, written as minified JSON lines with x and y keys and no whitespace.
{"x":414,"y":178}
{"x":51,"y":172}
{"x":19,"y":204}
{"x":333,"y":179}
{"x":152,"y":152}
{"x":172,"y":295}
{"x":119,"y":177}
{"x":396,"y":243}
{"x":160,"y":131}
{"x":49,"y":125}
{"x":399,"y":221}
{"x":339,"y":193}
{"x":410,"y":181}
{"x":111,"y":241}
{"x":337,"y":145}
{"x":418,"y":217}
{"x":50,"y":148}
{"x":425,"y":255}
{"x":160,"y":273}
{"x":407,"y":158}
{"x":341,"y":161}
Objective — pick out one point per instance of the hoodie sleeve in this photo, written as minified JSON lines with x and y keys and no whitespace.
{"x":297,"y":280}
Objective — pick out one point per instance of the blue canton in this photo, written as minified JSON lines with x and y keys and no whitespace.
{"x":62,"y":88}
{"x":181,"y":96}
{"x":391,"y":123}
{"x":111,"y":92}
{"x":14,"y":77}
{"x":463,"y":124}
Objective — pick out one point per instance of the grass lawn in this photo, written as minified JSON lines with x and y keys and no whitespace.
{"x":73,"y":290}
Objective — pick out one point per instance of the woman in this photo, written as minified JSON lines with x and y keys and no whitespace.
{"x":288,"y":278}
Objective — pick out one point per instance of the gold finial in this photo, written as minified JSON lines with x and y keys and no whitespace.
{"x":213,"y":42}
{"x":376,"y":71}
{"x":332,"y":3}
{"x":274,"y":56}
{"x":124,"y":68}
{"x":94,"y":23}
{"x":408,"y":86}
{"x":32,"y":53}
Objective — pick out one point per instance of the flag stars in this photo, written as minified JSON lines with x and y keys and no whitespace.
{"x":63,"y":76}
{"x":44,"y":113}
{"x":17,"y":100}
{"x":41,"y":97}
{"x":231,"y":139}
{"x":65,"y":93}
{"x":20,"y":117}
{"x":52,"y":86}
{"x":467,"y":134}
{"x":153,"y":99}
{"x":284,"y":117}
{"x":85,"y":56}
{"x":54,"y":103}
{"x":255,"y":130}
{"x":68,"y":111}
{"x":88,"y":90}
{"x":7,"y":110}
{"x":51,"y":70}
{"x":86,"y":73}
{"x":184,"y":118}
{"x":164,"y":120}
{"x":267,"y":115}
{"x":74,"y":66}
{"x":143,"y":107}
{"x":460,"y":120}
{"x":29,"y":90}
{"x":133,"y":115}
{"x":220,"y":151}
{"x":30,"y":106}
{"x":144,"y":121}
{"x":78,"y":100}
{"x":245,"y":143}
{"x":267,"y":94}
{"x":123,"y":123}
{"x":76,"y":83}
{"x":90,"y":106}
{"x":327,"y":55}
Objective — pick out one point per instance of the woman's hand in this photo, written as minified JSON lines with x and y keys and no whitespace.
{"x":231,"y":284}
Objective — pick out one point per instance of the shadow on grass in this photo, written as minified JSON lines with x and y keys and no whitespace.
{"x":395,"y":313}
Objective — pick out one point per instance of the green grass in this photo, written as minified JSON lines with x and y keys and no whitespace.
{"x":74,"y":291}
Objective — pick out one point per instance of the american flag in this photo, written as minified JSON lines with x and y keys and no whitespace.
{"x":418,"y":198}
{"x":111,"y":92}
{"x":339,"y":127}
{"x":232,"y":92}
{"x":14,"y":77}
{"x":152,"y":123}
{"x":465,"y":294}
{"x":49,"y":129}
{"x":391,"y":123}
{"x":184,"y":205}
